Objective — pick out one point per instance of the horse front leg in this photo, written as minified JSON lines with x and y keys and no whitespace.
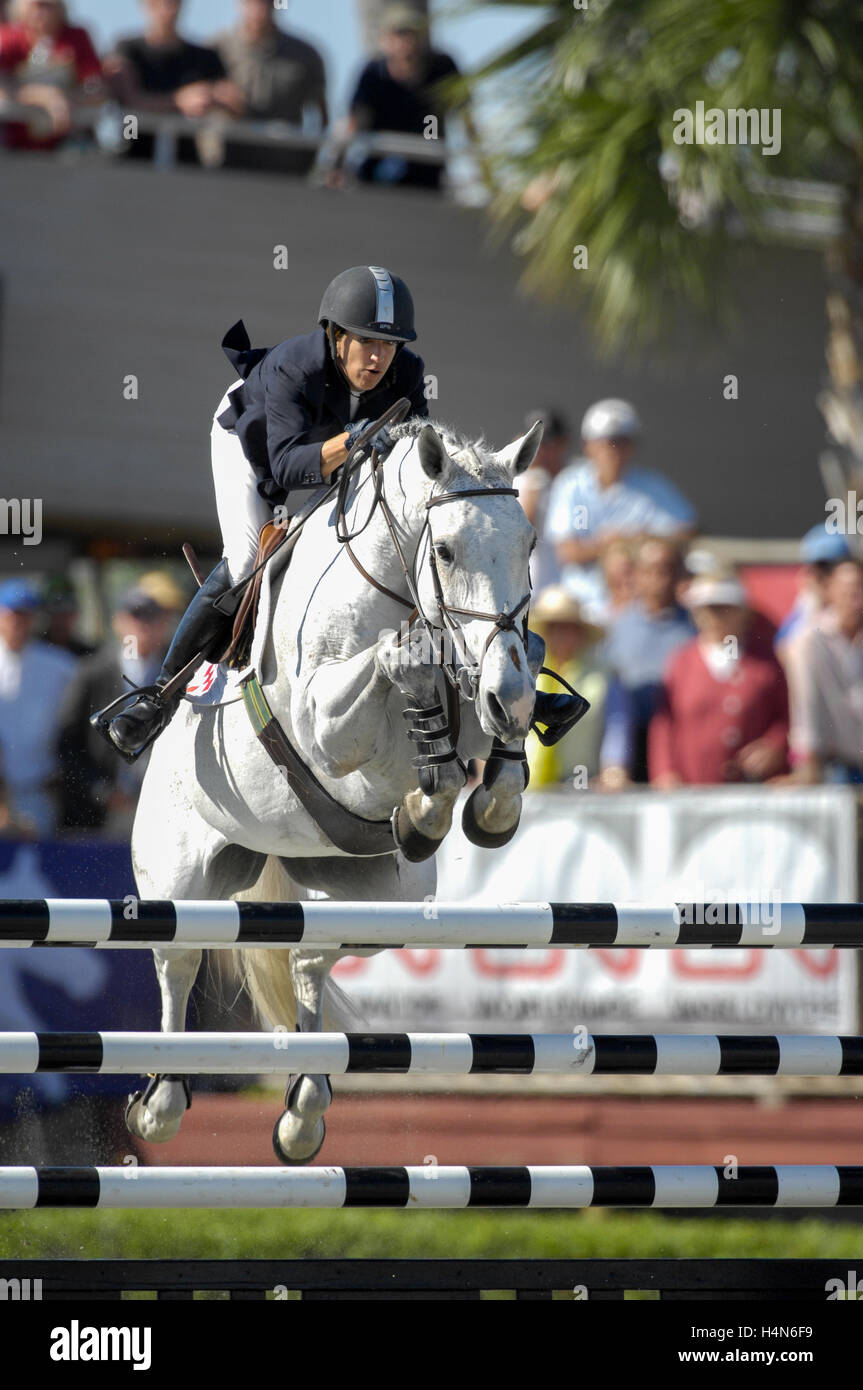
{"x":341,"y":721}
{"x":301,"y":1129}
{"x":155,"y":1114}
{"x":425,"y":814}
{"x":493,"y":810}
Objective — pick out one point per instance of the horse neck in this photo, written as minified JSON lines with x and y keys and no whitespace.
{"x":327,"y":594}
{"x":403,"y":495}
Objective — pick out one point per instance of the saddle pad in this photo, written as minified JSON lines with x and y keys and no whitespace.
{"x":214,"y":683}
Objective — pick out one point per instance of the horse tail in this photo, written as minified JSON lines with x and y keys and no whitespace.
{"x":266,"y":975}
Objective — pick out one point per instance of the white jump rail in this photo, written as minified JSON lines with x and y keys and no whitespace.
{"x":455,"y":1054}
{"x":432,"y":1186}
{"x":134,"y":925}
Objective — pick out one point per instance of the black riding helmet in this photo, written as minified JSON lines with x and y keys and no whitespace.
{"x":371,"y":302}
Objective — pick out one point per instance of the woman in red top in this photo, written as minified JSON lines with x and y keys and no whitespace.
{"x":48,"y":63}
{"x":723,"y":713}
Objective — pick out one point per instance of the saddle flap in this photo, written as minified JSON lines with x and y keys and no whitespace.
{"x":271,"y":540}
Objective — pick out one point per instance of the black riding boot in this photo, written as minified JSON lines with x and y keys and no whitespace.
{"x":203,"y":628}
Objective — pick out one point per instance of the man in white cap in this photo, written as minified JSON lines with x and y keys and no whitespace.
{"x":602,"y":498}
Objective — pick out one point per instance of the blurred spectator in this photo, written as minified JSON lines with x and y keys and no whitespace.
{"x":722,"y":714}
{"x":601,"y":498}
{"x":278,"y":75}
{"x":618,"y":574}
{"x":534,"y":486}
{"x":820,"y":551}
{"x":100,"y":791}
{"x":33,"y":681}
{"x":60,"y":617}
{"x":643,"y":636}
{"x":164,"y":589}
{"x":372,"y":13}
{"x":395,"y":92}
{"x":48,"y":63}
{"x":159,"y":71}
{"x":827,"y":737}
{"x":599,"y":745}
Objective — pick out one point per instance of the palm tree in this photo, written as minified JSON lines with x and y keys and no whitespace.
{"x":601,"y":86}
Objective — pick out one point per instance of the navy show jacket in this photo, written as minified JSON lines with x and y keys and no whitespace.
{"x":293,"y":397}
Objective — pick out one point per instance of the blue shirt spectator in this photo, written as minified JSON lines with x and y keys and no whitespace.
{"x":601,"y":498}
{"x":642,"y":637}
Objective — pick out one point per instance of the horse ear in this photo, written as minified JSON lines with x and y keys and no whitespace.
{"x":433,"y":455}
{"x":520,"y":454}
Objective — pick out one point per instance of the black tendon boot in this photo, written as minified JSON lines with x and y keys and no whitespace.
{"x":141,"y":716}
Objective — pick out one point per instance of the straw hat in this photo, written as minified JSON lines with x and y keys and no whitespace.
{"x":164,"y":590}
{"x":556,"y":605}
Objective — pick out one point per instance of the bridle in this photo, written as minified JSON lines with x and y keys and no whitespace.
{"x":463,"y":674}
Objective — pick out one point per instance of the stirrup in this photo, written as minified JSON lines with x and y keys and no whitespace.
{"x":569,"y":709}
{"x":101,"y":720}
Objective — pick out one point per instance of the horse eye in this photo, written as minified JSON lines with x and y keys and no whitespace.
{"x":443,"y":553}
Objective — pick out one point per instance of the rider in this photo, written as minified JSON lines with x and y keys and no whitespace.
{"x":287,"y":424}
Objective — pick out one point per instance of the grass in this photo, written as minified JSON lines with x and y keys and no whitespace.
{"x":392,"y":1234}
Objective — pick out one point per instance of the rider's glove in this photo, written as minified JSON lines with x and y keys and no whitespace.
{"x":383,"y":440}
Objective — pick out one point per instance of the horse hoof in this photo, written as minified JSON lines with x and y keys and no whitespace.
{"x":486,"y":839}
{"x":141,"y":1120}
{"x":292,"y":1160}
{"x":415,"y":846}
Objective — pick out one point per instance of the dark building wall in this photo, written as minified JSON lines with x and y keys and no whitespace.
{"x":112,"y":270}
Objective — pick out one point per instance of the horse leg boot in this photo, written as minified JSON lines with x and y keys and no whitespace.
{"x":493,"y":810}
{"x":203,"y":628}
{"x":300,"y":1129}
{"x":155,"y":1113}
{"x":425,"y":814}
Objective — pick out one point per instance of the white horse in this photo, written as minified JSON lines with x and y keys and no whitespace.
{"x":217,"y":818}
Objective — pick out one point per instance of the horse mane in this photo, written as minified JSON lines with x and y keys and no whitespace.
{"x":471,"y":453}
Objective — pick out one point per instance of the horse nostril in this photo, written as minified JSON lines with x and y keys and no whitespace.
{"x":496,"y":709}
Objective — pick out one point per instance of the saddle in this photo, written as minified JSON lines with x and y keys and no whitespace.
{"x":271,"y":539}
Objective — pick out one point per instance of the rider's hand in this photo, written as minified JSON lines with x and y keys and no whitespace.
{"x":383,"y":440}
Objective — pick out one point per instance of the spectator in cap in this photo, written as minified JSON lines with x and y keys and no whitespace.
{"x":47,"y":63}
{"x":99,"y":790}
{"x":827,"y":689}
{"x":33,"y":680}
{"x":599,"y":747}
{"x":643,"y":636}
{"x":161,"y":586}
{"x":534,"y":486}
{"x":397,"y":92}
{"x":820,"y":552}
{"x":602,"y":498}
{"x":722,"y":714}
{"x":60,"y":613}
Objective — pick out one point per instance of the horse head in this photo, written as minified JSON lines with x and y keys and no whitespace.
{"x":473,"y":545}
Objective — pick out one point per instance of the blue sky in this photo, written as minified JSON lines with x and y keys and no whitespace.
{"x":329,"y":24}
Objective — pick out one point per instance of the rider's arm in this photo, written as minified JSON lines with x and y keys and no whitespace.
{"x":295,"y":460}
{"x":333,"y":453}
